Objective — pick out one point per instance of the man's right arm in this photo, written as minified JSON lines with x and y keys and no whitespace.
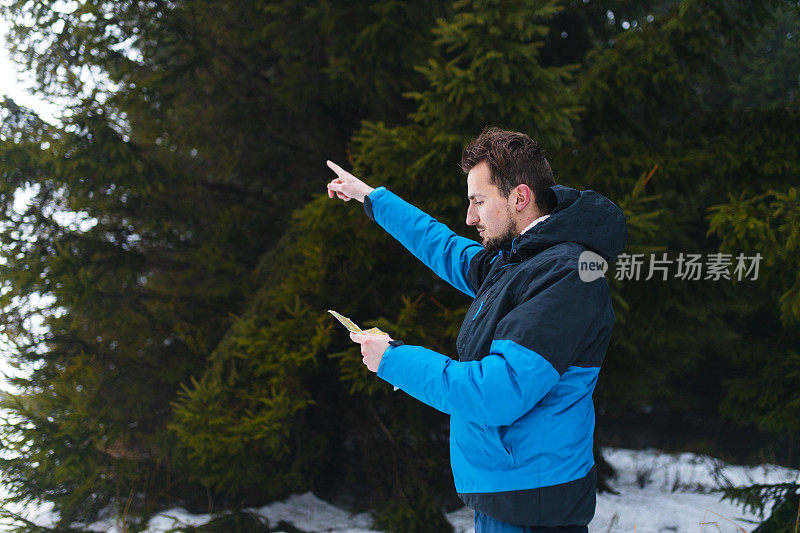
{"x":443,"y":251}
{"x":436,"y":245}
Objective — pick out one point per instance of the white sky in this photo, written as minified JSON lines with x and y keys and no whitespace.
{"x":16,"y":85}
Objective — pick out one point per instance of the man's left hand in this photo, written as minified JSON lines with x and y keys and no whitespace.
{"x":372,"y":348}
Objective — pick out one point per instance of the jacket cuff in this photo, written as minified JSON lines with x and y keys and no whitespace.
{"x":387,"y":355}
{"x":368,"y":203}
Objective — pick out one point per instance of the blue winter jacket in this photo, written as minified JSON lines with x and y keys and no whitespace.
{"x":529,"y":352}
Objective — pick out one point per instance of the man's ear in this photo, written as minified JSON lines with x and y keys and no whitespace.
{"x":523,"y":195}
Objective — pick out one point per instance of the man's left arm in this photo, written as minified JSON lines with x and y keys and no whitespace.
{"x":533,"y":345}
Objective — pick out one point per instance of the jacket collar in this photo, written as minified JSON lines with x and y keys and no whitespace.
{"x":584,"y":217}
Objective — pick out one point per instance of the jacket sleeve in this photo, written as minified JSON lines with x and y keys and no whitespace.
{"x":532,"y":346}
{"x":446,"y":253}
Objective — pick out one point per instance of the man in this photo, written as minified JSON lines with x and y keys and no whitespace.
{"x":530,"y":348}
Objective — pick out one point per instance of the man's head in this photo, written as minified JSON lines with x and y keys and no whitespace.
{"x":508,"y":179}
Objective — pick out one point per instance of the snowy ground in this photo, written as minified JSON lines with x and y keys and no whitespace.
{"x":658,"y":492}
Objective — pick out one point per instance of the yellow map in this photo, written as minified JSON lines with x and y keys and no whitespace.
{"x":349,"y":324}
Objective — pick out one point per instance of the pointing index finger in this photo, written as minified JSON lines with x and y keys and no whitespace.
{"x":333,"y":166}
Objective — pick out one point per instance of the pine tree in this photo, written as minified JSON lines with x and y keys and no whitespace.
{"x":181,"y":164}
{"x":768,"y":393}
{"x":647,"y":108}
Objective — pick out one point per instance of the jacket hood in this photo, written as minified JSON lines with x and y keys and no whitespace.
{"x":584,"y":217}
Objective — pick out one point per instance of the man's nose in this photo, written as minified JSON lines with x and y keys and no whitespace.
{"x":472,"y":218}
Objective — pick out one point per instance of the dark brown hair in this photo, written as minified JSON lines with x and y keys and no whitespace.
{"x":513,"y":159}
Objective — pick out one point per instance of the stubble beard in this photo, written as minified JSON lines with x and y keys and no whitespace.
{"x":494,"y":243}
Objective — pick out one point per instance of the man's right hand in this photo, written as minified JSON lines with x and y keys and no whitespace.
{"x":346,"y":186}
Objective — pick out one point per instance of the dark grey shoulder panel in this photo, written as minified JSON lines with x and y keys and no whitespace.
{"x":557,"y":315}
{"x":479,"y":268}
{"x":593,"y":353}
{"x":566,"y":504}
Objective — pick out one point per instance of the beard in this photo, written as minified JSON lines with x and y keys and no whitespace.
{"x":494,"y":243}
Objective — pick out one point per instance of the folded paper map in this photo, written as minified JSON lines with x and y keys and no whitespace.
{"x":349,"y":324}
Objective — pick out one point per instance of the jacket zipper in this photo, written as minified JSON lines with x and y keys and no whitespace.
{"x":499,"y":271}
{"x":479,"y":309}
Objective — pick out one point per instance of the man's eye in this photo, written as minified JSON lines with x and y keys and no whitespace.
{"x":478,"y":203}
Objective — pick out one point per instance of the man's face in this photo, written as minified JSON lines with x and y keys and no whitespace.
{"x":488,"y":210}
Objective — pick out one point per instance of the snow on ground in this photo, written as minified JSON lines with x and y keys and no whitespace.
{"x":658,"y":493}
{"x":675,"y":495}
